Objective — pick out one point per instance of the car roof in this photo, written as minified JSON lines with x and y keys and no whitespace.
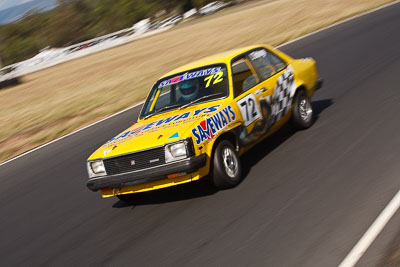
{"x":223,"y":57}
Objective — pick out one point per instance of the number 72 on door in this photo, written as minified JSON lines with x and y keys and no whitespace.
{"x":249,"y":109}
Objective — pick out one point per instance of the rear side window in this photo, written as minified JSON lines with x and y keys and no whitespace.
{"x":266,"y":62}
{"x":244,"y":77}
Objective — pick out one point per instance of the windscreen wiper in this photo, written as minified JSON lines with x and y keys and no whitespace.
{"x":199,"y":99}
{"x":161,"y":110}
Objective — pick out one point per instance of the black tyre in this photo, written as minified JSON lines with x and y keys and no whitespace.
{"x":227,"y":168}
{"x":303,"y":114}
{"x":128,"y":197}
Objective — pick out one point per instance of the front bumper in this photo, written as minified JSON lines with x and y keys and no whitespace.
{"x":147,"y":175}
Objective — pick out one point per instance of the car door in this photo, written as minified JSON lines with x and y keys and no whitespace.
{"x":278,"y":80}
{"x":255,"y":76}
{"x":247,"y":87}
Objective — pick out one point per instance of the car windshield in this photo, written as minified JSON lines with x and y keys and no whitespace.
{"x":187,"y":88}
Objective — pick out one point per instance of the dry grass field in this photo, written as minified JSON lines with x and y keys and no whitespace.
{"x":58,"y":100}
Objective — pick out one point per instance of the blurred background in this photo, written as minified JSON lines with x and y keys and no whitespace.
{"x":40,"y":24}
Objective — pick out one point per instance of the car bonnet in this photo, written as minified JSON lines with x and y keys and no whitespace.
{"x":159,"y":130}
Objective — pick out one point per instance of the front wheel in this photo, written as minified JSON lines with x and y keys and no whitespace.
{"x":303,"y":115}
{"x":227,"y":168}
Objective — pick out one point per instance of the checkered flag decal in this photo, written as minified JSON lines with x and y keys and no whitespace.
{"x":282,"y":95}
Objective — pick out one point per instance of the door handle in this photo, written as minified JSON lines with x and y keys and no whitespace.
{"x":264,"y":89}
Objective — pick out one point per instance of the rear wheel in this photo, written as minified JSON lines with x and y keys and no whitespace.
{"x":227,"y":168}
{"x":303,"y":115}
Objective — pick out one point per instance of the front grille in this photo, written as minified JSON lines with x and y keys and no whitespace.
{"x":135,"y":161}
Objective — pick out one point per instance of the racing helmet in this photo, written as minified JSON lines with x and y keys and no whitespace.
{"x":189,"y":89}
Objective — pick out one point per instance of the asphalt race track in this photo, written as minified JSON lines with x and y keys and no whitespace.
{"x":306,"y":199}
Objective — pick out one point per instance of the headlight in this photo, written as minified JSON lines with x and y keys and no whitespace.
{"x":96,"y":168}
{"x":175,"y":151}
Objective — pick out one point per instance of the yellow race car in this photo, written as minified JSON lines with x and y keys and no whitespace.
{"x":198,"y":119}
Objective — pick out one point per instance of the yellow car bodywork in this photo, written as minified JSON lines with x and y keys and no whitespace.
{"x":157,"y":130}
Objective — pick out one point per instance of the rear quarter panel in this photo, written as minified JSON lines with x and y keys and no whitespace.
{"x":306,"y":74}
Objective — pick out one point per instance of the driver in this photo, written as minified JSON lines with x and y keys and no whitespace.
{"x":189,"y":90}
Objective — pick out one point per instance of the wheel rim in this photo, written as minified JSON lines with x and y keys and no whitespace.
{"x":305,"y":109}
{"x":230,"y":162}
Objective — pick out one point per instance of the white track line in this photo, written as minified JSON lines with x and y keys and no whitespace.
{"x":129,"y":108}
{"x":372,"y":232}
